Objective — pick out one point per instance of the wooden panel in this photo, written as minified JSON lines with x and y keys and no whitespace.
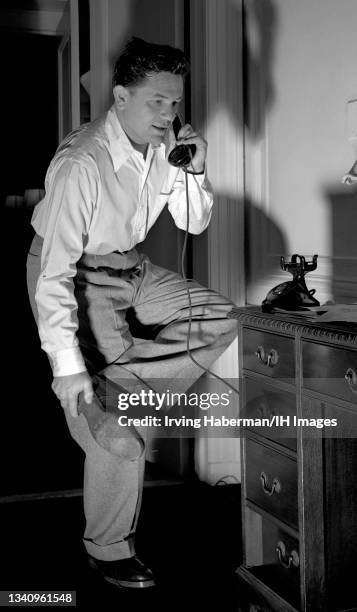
{"x":275,"y":573}
{"x":325,"y":368}
{"x":341,"y":518}
{"x":269,"y":354}
{"x":265,"y":401}
{"x":311,"y":513}
{"x":271,"y":481}
{"x":252,"y":599}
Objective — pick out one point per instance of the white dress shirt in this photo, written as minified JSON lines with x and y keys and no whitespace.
{"x":101,"y":196}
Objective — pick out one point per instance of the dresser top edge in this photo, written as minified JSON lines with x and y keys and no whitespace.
{"x":337,"y":333}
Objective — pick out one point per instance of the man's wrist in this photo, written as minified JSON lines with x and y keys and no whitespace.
{"x":67,"y":361}
{"x":191,"y":169}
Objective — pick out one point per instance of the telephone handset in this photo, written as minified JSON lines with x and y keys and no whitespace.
{"x":181,"y":155}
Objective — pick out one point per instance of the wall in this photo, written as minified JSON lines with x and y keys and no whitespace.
{"x":295,"y":164}
{"x":44,"y":457}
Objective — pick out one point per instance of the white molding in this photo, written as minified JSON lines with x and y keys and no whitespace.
{"x":216,"y":55}
{"x":75,"y":76}
{"x":99,"y":56}
{"x":217,"y":111}
{"x":68,"y":29}
{"x":257,"y":188}
{"x":64,"y":42}
{"x":64,"y":23}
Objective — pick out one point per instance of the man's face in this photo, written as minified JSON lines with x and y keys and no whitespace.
{"x":147,"y":110}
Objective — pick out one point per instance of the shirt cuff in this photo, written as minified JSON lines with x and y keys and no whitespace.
{"x":67,"y":361}
{"x":199,"y":181}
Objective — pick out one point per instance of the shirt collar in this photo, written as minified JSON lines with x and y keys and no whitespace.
{"x":120,"y":147}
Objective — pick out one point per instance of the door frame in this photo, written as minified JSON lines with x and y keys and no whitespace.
{"x":68,"y":70}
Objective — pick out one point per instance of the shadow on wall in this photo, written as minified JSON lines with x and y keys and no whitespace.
{"x":256,"y":221}
{"x":260,"y":25}
{"x":343,"y":223}
{"x":259,"y":32}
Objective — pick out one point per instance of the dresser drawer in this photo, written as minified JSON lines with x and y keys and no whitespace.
{"x":263,"y":401}
{"x":329,"y":370}
{"x":278,"y":562}
{"x":271,"y":481}
{"x":268,"y":354}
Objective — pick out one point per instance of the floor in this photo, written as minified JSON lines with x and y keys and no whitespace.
{"x":189,"y":534}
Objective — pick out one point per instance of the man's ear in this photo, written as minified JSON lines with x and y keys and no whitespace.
{"x":121,"y":96}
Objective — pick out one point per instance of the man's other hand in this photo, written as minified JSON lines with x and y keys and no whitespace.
{"x":68,"y":388}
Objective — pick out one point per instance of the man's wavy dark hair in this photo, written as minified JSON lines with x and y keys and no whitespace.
{"x":139,"y":59}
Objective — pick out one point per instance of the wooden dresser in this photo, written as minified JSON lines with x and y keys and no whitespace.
{"x":299,"y":483}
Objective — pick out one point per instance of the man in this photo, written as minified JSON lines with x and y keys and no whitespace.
{"x":102,"y":307}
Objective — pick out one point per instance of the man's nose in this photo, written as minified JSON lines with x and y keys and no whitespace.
{"x":168,"y":115}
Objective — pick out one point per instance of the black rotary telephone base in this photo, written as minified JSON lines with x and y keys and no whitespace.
{"x":294,"y":294}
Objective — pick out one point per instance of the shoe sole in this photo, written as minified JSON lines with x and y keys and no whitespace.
{"x":125,"y":584}
{"x":140,"y":584}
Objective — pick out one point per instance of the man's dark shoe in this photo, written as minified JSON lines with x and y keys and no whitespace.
{"x":126,"y":573}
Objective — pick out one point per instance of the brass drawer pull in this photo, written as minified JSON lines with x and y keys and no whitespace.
{"x":351,"y":379}
{"x":270,"y":360}
{"x":275,"y":488}
{"x":287,"y":561}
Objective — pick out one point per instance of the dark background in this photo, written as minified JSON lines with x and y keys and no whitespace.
{"x":37,"y":453}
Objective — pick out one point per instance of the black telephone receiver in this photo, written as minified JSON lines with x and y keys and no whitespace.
{"x":181,"y":155}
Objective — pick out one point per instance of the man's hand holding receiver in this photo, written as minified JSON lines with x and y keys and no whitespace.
{"x":188,"y":136}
